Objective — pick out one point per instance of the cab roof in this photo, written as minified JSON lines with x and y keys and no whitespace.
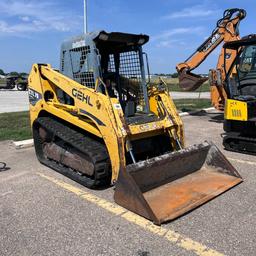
{"x":245,"y":41}
{"x":124,"y":39}
{"x":101,"y":38}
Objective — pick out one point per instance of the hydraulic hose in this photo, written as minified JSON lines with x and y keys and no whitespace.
{"x":2,"y":166}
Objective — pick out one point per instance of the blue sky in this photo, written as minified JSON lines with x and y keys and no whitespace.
{"x":31,"y":31}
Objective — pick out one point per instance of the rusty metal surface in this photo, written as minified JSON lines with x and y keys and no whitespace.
{"x":190,"y":81}
{"x":71,"y":158}
{"x":180,"y":196}
{"x":166,"y":187}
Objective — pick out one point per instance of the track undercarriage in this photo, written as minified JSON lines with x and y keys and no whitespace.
{"x":237,"y":143}
{"x":71,"y":153}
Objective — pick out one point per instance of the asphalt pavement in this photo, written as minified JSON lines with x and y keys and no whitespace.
{"x":44,"y":213}
{"x":14,"y":101}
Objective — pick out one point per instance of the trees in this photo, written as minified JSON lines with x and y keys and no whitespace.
{"x":2,"y":72}
{"x":175,"y":75}
{"x":14,"y":73}
{"x":22,"y":74}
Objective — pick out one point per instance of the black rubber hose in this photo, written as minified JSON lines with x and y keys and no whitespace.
{"x":2,"y":166}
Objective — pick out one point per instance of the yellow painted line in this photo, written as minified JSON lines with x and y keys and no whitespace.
{"x":242,"y":161}
{"x":113,"y":208}
{"x":172,"y":236}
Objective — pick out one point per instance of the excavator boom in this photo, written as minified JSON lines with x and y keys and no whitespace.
{"x":232,"y":83}
{"x":227,"y":30}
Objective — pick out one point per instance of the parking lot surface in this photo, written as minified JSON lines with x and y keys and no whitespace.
{"x":44,"y":213}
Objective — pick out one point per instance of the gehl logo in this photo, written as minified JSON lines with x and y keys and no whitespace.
{"x":82,"y":97}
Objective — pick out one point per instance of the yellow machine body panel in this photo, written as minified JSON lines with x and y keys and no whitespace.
{"x":104,"y":115}
{"x":236,"y":110}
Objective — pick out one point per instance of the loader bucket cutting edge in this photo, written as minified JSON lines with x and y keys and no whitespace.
{"x":166,"y":187}
{"x":189,"y":81}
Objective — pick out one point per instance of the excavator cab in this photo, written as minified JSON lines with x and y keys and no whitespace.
{"x":240,"y":117}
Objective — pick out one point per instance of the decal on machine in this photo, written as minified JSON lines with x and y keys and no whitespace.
{"x":117,"y":106}
{"x":147,"y":127}
{"x":211,"y":42}
{"x":78,"y":44}
{"x":34,"y":97}
{"x":82,"y":97}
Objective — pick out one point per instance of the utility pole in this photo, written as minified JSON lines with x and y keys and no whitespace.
{"x":85,"y":17}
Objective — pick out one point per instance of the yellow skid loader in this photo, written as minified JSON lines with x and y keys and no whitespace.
{"x":99,"y":121}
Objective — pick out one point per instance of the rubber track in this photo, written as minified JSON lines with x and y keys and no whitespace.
{"x":95,"y":151}
{"x":239,"y":148}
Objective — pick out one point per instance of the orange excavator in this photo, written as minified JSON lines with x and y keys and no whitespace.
{"x":227,"y":30}
{"x":233,"y":83}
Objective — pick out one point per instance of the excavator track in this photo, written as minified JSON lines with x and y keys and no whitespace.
{"x":240,"y":144}
{"x":65,"y":143}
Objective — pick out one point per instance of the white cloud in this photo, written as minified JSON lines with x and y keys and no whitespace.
{"x":3,"y":27}
{"x":170,"y":43}
{"x":165,"y":35}
{"x":25,"y":18}
{"x":196,"y":11}
{"x":20,"y":16}
{"x":174,"y":37}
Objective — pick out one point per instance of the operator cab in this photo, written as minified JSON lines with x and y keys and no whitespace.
{"x":241,"y":78}
{"x":117,"y":59}
{"x":241,"y":87}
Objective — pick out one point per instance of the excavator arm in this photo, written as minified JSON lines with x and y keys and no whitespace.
{"x":227,"y":30}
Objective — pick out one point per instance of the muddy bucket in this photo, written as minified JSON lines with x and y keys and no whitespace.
{"x":189,"y":81}
{"x":166,"y":187}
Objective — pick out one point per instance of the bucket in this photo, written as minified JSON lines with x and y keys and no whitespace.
{"x":166,"y":187}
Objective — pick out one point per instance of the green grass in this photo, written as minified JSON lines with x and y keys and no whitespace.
{"x":175,"y":88}
{"x":188,"y":105}
{"x":15,"y":126}
{"x":173,"y":84}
